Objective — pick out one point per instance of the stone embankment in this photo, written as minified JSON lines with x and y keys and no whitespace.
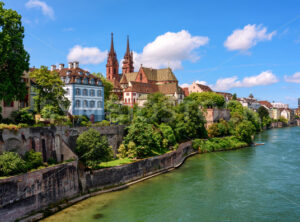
{"x":65,"y":184}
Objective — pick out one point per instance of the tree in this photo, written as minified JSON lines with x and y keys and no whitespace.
{"x":244,"y":131}
{"x":92,"y":148}
{"x":263,"y":112}
{"x":108,"y":86}
{"x":14,"y":60}
{"x":116,"y":112}
{"x":49,"y":89}
{"x":235,"y":107}
{"x":158,"y":109}
{"x":234,"y":96}
{"x":207,"y":99}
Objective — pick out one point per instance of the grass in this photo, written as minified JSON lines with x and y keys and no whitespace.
{"x":116,"y":162}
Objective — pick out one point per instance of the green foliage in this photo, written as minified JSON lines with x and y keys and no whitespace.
{"x":33,"y":159}
{"x":218,"y":144}
{"x":14,"y":60}
{"x":169,"y":138}
{"x":92,"y":148}
{"x":102,"y":123}
{"x":189,"y":122}
{"x":234,"y":96}
{"x":244,"y":131}
{"x":116,"y":112}
{"x":49,"y":89}
{"x":207,"y":99}
{"x":222,"y":128}
{"x":263,"y":112}
{"x":50,"y":111}
{"x":158,"y":109}
{"x":235,"y":107}
{"x":23,"y":116}
{"x":283,"y":120}
{"x":113,"y":163}
{"x":11,"y":163}
{"x":252,"y":117}
{"x":146,"y":138}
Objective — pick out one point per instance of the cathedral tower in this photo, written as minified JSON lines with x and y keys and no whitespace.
{"x":128,"y":60}
{"x":112,"y":66}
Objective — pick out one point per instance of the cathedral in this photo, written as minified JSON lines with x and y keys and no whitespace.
{"x":134,"y":87}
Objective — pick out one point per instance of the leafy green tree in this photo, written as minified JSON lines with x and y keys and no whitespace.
{"x":116,"y":112}
{"x":158,"y":109}
{"x":235,"y":107}
{"x":222,"y":128}
{"x":207,"y":99}
{"x":244,"y":131}
{"x":262,"y":112}
{"x":234,"y":96}
{"x":108,"y":86}
{"x":11,"y":163}
{"x":146,"y":138}
{"x":169,"y":138}
{"x":189,"y":122}
{"x":14,"y":60}
{"x":49,"y":89}
{"x":50,"y":111}
{"x":92,"y":148}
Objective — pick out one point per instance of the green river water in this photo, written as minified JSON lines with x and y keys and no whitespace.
{"x":252,"y":184}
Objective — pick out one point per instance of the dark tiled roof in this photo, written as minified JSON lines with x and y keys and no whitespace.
{"x":266,"y":104}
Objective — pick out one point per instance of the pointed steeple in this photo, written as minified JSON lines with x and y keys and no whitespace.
{"x":128,"y":60}
{"x":112,"y":50}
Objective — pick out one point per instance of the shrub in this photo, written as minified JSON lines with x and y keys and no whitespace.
{"x":244,"y":131}
{"x":33,"y":159}
{"x":102,"y":123}
{"x":11,"y":163}
{"x":207,"y":99}
{"x":23,"y":116}
{"x":92,"y":148}
{"x":169,"y":138}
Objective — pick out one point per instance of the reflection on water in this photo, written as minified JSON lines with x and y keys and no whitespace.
{"x":252,"y":184}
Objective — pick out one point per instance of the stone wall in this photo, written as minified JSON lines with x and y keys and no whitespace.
{"x":26,"y":193}
{"x":53,"y":142}
{"x":103,"y":178}
{"x":215,"y":114}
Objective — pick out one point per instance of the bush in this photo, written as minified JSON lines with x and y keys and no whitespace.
{"x":102,"y":123}
{"x":23,"y":116}
{"x":244,"y":131}
{"x":9,"y":126}
{"x":169,"y":138}
{"x":11,"y":163}
{"x":92,"y":148}
{"x":50,"y":111}
{"x":219,"y":129}
{"x":33,"y":159}
{"x":207,"y":99}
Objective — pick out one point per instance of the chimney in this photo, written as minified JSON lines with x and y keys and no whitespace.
{"x":70,"y":65}
{"x":53,"y":67}
{"x":75,"y":64}
{"x":61,"y":66}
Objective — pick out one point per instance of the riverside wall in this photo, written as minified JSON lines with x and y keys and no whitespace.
{"x":36,"y":191}
{"x":24,"y":194}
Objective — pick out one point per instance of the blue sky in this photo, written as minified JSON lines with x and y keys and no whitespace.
{"x":235,"y":46}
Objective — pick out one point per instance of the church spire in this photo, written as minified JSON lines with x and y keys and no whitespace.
{"x":112,"y":66}
{"x":128,"y":60}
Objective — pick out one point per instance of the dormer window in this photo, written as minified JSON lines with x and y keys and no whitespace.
{"x":86,"y":81}
{"x":99,"y":83}
{"x":92,"y":82}
{"x":78,"y":80}
{"x":68,"y":73}
{"x":87,"y":74}
{"x":80,"y":73}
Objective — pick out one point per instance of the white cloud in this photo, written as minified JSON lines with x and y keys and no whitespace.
{"x":249,"y":36}
{"x":46,"y":9}
{"x":264,"y":78}
{"x":295,"y":78}
{"x":87,"y":55}
{"x":184,"y":85}
{"x":170,"y":49}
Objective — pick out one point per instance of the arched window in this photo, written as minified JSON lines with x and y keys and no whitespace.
{"x":141,"y":77}
{"x":125,"y":100}
{"x":99,"y":93}
{"x":85,"y":103}
{"x":99,"y":104}
{"x":77,"y":105}
{"x":92,"y":92}
{"x":77,"y":92}
{"x":129,"y":100}
{"x":85,"y":92}
{"x":92,"y":104}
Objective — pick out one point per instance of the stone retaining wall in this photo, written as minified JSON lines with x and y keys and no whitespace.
{"x":26,"y":193}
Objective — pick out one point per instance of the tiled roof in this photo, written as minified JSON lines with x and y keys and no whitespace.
{"x":127,"y":77}
{"x":224,"y":93}
{"x":266,"y":104}
{"x":204,"y":87}
{"x":169,"y":88}
{"x":141,"y":87}
{"x":159,"y":74}
{"x":75,"y":73}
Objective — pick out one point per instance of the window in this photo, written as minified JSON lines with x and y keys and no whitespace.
{"x":99,"y":104}
{"x":92,"y":104}
{"x":85,"y":81}
{"x":77,"y":92}
{"x":77,"y":104}
{"x":99,"y":83}
{"x":78,"y":80}
{"x":85,"y":103}
{"x":67,"y":91}
{"x":127,"y":94}
{"x":92,"y":81}
{"x":99,"y":93}
{"x":141,"y":77}
{"x":125,"y":100}
{"x":133,"y":94}
{"x":85,"y":92}
{"x":92,"y":92}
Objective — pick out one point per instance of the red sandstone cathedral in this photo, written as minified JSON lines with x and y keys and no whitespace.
{"x":134,"y":87}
